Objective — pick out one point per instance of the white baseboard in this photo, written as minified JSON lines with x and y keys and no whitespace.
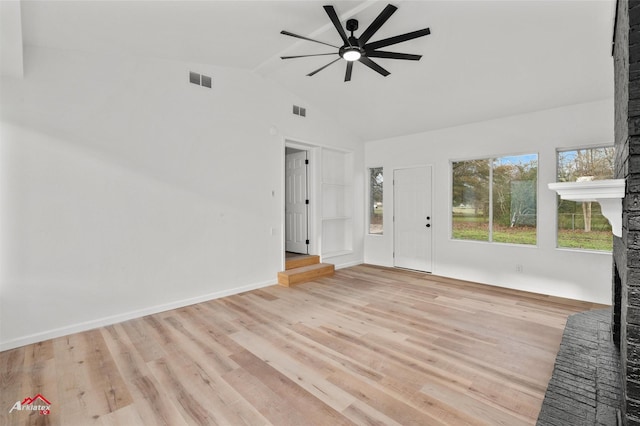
{"x":348,"y":264}
{"x":113,"y":319}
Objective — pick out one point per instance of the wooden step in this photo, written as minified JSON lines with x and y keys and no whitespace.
{"x":300,"y":261}
{"x":305,"y":274}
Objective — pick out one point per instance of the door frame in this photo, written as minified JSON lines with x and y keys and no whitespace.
{"x":432,"y":221}
{"x":300,"y":202}
{"x":312,"y":194}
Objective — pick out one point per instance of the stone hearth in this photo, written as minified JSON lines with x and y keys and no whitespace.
{"x":585,"y":386}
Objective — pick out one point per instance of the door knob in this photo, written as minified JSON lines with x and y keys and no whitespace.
{"x":428,"y":225}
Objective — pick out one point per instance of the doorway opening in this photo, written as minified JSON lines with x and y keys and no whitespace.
{"x":296,"y":200}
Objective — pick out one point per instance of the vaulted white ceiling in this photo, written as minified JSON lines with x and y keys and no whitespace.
{"x":483,"y":59}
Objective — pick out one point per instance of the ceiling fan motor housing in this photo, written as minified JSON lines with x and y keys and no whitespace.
{"x":352,"y":25}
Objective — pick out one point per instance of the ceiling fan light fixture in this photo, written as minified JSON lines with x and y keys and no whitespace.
{"x":351,"y":55}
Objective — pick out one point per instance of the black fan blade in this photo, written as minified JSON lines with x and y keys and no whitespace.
{"x":368,"y":62}
{"x":347,"y":75}
{"x":397,"y":39}
{"x":393,"y":55}
{"x":305,"y":56}
{"x":336,"y":23}
{"x":376,"y":24}
{"x":321,"y":68}
{"x":307,"y":38}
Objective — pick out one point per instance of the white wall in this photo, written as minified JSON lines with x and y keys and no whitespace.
{"x":546,"y":269}
{"x":11,"y":38}
{"x":126,"y":190}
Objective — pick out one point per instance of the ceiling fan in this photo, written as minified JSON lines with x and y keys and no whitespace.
{"x":358,"y":48}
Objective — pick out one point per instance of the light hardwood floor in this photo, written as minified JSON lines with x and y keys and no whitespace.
{"x":368,"y":346}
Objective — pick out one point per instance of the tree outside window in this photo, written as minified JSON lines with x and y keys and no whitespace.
{"x":471,"y":200}
{"x":375,"y":200}
{"x":581,"y":225}
{"x":495,"y":199}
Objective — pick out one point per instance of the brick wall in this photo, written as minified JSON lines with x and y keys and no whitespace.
{"x":626,"y":250}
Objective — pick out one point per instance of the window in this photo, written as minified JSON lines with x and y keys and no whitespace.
{"x":581,"y":225}
{"x":495,"y":199}
{"x":375,"y":200}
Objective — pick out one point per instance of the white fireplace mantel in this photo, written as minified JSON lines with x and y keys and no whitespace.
{"x":609,"y":193}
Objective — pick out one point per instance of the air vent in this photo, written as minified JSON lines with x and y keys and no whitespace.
{"x":200,"y":80}
{"x":298,"y":110}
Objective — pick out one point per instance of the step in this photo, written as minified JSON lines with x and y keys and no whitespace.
{"x":305,"y":274}
{"x":300,"y":261}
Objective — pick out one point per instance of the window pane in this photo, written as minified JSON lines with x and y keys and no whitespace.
{"x":470,"y":200}
{"x":375,"y":200}
{"x":581,"y":225}
{"x":514,"y":199}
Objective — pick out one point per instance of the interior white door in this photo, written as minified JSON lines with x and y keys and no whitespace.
{"x":296,"y":207}
{"x":412,"y":218}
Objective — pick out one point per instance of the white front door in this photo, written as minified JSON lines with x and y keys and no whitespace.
{"x":412,"y":218}
{"x":296,"y":225}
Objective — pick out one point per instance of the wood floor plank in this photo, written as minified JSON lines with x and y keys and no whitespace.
{"x":382,"y":401}
{"x":368,"y":346}
{"x":464,"y":402}
{"x":13,"y":375}
{"x":144,"y":341}
{"x":269,"y":404}
{"x":153,"y":404}
{"x":188,"y":402}
{"x":215,"y":395}
{"x":128,"y":415}
{"x":310,"y":410}
{"x":362,"y":414}
{"x":201,"y":348}
{"x":306,"y":378}
{"x":103,"y":374}
{"x":76,"y":398}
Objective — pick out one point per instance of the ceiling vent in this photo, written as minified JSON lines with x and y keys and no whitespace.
{"x":200,"y":79}
{"x":298,"y":110}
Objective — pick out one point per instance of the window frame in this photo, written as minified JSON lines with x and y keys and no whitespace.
{"x":492,"y":159}
{"x":370,"y":201}
{"x":558,"y":150}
